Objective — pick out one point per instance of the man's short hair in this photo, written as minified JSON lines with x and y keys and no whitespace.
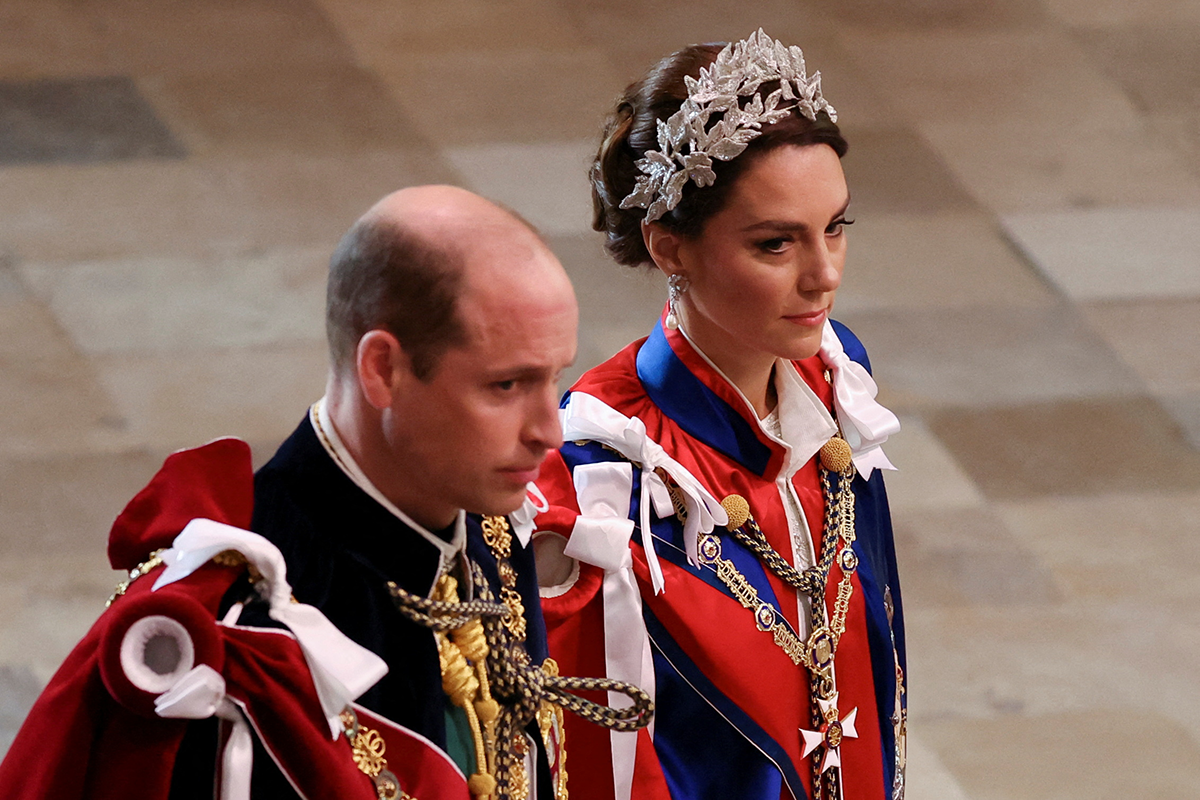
{"x":383,"y":276}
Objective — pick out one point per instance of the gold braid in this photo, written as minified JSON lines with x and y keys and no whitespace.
{"x":480,"y":630}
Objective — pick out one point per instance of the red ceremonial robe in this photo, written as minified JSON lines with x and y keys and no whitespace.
{"x":730,"y":702}
{"x":93,"y":733}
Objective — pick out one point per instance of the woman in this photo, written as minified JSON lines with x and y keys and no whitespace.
{"x":742,"y":435}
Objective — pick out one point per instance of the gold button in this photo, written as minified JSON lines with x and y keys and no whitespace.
{"x":836,"y":455}
{"x":738,"y":510}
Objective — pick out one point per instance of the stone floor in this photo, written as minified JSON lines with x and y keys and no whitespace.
{"x":1025,"y":271}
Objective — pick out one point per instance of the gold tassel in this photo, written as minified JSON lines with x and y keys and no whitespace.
{"x":463,"y":684}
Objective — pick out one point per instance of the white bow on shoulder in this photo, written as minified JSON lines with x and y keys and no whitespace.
{"x":587,"y":418}
{"x":865,"y":423}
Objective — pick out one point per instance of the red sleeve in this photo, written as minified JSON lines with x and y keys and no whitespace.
{"x":556,"y":484}
{"x":575,"y":630}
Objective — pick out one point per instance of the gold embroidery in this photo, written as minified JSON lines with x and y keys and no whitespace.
{"x":515,"y":621}
{"x":496,"y":535}
{"x":368,"y":752}
{"x":518,"y":780}
{"x":367,"y":748}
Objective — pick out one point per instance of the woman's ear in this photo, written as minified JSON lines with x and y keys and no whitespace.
{"x":663,"y":246}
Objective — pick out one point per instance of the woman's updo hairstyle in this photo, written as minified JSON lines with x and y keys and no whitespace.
{"x":632,"y":129}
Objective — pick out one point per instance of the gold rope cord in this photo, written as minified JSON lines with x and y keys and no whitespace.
{"x":487,"y":671}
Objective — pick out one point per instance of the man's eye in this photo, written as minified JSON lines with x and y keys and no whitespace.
{"x":504,"y":386}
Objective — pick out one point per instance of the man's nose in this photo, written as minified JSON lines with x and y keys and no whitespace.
{"x":544,"y":428}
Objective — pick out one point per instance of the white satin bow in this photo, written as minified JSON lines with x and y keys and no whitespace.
{"x":522,"y":519}
{"x":341,"y":669}
{"x":601,"y":537}
{"x":587,"y":418}
{"x":865,"y":423}
{"x":200,"y":694}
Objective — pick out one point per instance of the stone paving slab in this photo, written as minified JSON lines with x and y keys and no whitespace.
{"x":1023,"y":272}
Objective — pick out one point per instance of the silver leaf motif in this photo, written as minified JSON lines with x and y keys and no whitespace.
{"x":727,"y":149}
{"x":688,"y":142}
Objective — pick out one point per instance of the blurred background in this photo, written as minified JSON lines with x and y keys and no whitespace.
{"x":1025,"y":272}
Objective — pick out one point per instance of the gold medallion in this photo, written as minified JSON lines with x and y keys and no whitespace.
{"x":820,"y":648}
{"x":710,"y":549}
{"x":833,"y":734}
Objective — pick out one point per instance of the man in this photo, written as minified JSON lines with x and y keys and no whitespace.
{"x":449,"y":323}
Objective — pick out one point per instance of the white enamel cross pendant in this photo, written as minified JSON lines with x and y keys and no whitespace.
{"x":831,"y":734}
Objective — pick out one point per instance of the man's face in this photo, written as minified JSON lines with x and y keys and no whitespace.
{"x":473,"y":435}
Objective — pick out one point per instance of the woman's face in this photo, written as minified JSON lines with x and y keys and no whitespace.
{"x":764,"y":270}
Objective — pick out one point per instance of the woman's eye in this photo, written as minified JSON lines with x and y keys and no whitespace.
{"x":776,"y":245}
{"x":838,"y":226}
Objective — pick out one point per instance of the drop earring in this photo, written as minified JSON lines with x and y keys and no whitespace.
{"x":677,"y":284}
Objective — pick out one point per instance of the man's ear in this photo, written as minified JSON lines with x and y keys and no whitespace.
{"x":663,"y":245}
{"x":383,"y":367}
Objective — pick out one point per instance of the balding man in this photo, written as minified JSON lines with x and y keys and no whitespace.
{"x":449,"y":323}
{"x":380,"y":544}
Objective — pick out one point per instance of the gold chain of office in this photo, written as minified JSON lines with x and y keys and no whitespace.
{"x":487,"y":672}
{"x":816,"y":654}
{"x":482,"y":656}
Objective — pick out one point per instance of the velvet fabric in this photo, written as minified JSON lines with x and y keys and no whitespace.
{"x":341,"y":549}
{"x":93,"y":735}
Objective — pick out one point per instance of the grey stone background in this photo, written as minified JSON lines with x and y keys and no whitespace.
{"x":1025,"y":272}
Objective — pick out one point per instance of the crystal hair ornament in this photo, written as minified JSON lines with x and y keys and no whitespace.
{"x":689,"y":140}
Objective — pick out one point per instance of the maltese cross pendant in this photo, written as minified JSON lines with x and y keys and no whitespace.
{"x":830,"y":735}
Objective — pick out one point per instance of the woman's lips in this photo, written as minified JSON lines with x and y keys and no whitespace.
{"x":812,"y":318}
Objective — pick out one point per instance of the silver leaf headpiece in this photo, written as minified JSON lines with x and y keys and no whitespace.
{"x":688,"y":143}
